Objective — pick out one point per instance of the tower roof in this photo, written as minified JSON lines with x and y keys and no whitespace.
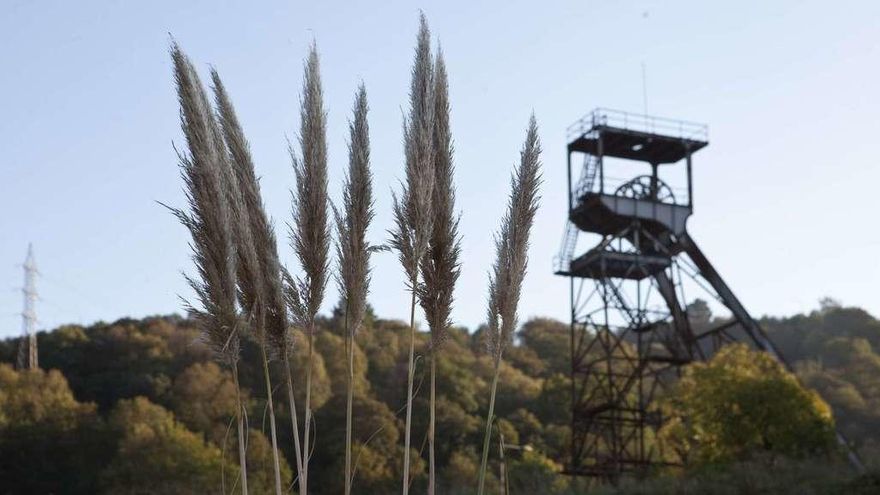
{"x":636,"y":137}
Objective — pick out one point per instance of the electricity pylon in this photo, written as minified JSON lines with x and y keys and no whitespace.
{"x":27,"y":348}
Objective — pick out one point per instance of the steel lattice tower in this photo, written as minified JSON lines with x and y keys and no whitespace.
{"x":630,"y":328}
{"x":27,"y":348}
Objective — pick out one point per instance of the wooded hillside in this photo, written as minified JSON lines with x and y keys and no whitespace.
{"x":140,"y":404}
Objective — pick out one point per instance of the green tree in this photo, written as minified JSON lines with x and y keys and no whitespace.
{"x":332,"y":350}
{"x":534,"y":472}
{"x":515,"y":388}
{"x":321,"y":382}
{"x":550,"y":341}
{"x":49,"y":442}
{"x":157,"y":455}
{"x":376,"y":450}
{"x":742,"y":402}
{"x":462,"y":473}
{"x":261,"y":469}
{"x":203,"y":397}
{"x":125,"y":359}
{"x":554,"y":402}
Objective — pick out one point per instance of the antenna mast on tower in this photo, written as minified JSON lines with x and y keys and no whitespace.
{"x":27,"y":348}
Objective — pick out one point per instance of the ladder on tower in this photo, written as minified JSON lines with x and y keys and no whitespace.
{"x":588,"y":177}
{"x":562,"y":261}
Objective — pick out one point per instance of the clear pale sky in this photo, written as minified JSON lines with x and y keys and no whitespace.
{"x":785,"y":195}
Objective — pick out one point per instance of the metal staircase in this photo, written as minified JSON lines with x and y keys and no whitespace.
{"x":562,"y":261}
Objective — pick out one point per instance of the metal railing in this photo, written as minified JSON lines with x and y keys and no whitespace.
{"x":618,"y":119}
{"x":613,"y":183}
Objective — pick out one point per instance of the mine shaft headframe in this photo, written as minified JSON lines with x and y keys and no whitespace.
{"x":653,"y":140}
{"x":645,"y":249}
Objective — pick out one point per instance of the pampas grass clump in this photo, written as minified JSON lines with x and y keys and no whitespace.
{"x":260,"y":281}
{"x":211,"y":223}
{"x":242,"y":287}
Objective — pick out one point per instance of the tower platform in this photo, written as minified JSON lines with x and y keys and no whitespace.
{"x":611,"y":264}
{"x":608,"y":214}
{"x":644,"y":138}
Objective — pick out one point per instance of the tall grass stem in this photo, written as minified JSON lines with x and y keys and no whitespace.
{"x":490,"y":417}
{"x":242,"y":445}
{"x":409,"y":392}
{"x":293,"y":420}
{"x":270,"y":403}
{"x":308,"y":415}
{"x":349,"y":343}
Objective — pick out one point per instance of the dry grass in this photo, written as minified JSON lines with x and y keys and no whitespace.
{"x":241,"y":284}
{"x":508,"y":272}
{"x":352,"y":222}
{"x":512,"y":244}
{"x":353,"y":250}
{"x":260,"y":226}
{"x":260,"y":285}
{"x":209,"y":219}
{"x":310,"y":233}
{"x":412,"y":210}
{"x":211,"y":223}
{"x":440,"y":266}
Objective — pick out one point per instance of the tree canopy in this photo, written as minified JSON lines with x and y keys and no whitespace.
{"x":743,"y":402}
{"x":123,"y":402}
